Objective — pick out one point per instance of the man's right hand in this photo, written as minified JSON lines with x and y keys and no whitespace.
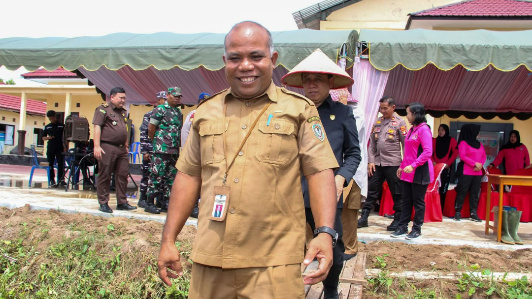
{"x":371,"y":169}
{"x":169,"y":259}
{"x":146,"y":157}
{"x":98,"y":152}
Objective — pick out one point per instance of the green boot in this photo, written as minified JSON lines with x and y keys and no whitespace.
{"x":505,"y":235}
{"x":513,"y":224}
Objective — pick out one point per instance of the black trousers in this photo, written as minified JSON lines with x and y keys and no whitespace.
{"x":445,"y":177}
{"x":413,"y":196}
{"x":388,"y":173}
{"x":333,"y":278}
{"x":471,"y":184}
{"x":51,"y":156}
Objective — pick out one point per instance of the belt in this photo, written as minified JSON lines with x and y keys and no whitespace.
{"x":119,"y":145}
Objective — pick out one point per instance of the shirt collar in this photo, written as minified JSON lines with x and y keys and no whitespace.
{"x":328,"y":101}
{"x":113,"y":107}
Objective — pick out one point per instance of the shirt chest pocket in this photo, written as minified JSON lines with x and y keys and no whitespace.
{"x":276,"y":142}
{"x":212,"y":150}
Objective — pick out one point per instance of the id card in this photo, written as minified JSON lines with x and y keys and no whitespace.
{"x":220,"y":203}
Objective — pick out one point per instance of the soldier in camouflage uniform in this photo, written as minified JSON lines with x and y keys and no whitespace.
{"x":164,"y":129}
{"x":146,"y":149}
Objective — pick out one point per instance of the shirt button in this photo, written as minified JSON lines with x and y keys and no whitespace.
{"x":232,"y":210}
{"x":277,"y":126}
{"x":244,"y":127}
{"x":248,"y":104}
{"x":240,"y":153}
{"x":236,"y":180}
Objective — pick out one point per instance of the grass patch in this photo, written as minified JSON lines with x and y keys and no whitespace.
{"x":95,"y":263}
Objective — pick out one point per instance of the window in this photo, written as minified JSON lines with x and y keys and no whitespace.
{"x":37,"y":133}
{"x":9,"y":134}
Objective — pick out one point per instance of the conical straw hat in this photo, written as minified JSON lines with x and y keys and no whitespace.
{"x":317,"y":62}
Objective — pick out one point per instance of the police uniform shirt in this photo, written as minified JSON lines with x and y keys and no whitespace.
{"x":265,"y":223}
{"x":113,"y":123}
{"x":385,"y":141}
{"x":341,"y":128}
{"x":56,"y":130}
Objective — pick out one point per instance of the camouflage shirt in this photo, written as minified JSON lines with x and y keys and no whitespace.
{"x":167,"y":135}
{"x":146,"y":145}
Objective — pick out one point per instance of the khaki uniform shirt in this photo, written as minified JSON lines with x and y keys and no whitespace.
{"x":386,"y":140}
{"x":265,"y":223}
{"x":113,"y":122}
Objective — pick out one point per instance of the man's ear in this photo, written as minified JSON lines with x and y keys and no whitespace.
{"x":275,"y":55}
{"x":331,"y":82}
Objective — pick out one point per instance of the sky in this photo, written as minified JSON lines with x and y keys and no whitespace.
{"x":67,"y":18}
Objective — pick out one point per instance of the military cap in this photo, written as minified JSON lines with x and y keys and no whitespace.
{"x":175,"y":91}
{"x":161,"y":95}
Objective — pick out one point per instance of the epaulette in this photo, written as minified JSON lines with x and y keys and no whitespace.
{"x":211,"y":96}
{"x":105,"y":104}
{"x":300,"y":96}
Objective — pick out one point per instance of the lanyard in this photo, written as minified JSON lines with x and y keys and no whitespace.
{"x":227,"y":167}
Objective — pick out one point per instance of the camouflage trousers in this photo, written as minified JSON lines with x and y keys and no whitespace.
{"x":145,"y":181}
{"x":162,"y":175}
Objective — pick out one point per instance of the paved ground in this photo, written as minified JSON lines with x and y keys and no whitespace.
{"x":14,"y":192}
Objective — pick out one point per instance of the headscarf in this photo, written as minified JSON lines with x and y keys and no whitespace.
{"x":469,"y":133}
{"x":510,"y":145}
{"x":443,"y":143}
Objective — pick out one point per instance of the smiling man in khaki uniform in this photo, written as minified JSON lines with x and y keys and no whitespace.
{"x":251,"y":228}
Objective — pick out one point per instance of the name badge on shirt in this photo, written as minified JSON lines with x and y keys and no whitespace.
{"x":377,"y":129}
{"x":220,"y":204}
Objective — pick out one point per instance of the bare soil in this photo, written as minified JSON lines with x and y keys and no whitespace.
{"x":398,"y":256}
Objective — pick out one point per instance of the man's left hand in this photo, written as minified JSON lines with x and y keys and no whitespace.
{"x":339,"y":181}
{"x":320,"y":248}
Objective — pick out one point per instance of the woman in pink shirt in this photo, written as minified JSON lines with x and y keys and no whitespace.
{"x":416,"y":171}
{"x":514,"y":154}
{"x":444,"y":151}
{"x":472,"y":156}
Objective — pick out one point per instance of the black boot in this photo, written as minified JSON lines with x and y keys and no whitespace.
{"x":363,"y":221}
{"x":150,"y":206}
{"x":142,"y":200}
{"x":164,"y":204}
{"x":395,"y":223}
{"x":195,"y":211}
{"x":158,"y":201}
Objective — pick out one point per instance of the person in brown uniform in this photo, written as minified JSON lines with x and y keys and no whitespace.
{"x":111,"y":148}
{"x":384,"y":157}
{"x":245,"y":153}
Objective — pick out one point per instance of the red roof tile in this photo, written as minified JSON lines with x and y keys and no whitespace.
{"x":481,"y":8}
{"x":42,"y":73}
{"x":10,"y":102}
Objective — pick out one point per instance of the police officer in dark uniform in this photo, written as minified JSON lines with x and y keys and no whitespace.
{"x":146,"y":149}
{"x":111,"y":149}
{"x":53,"y":132}
{"x":318,"y":74}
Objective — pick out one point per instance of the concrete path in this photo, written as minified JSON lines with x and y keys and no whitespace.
{"x":14,"y":192}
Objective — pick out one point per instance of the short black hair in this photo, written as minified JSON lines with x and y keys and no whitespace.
{"x":418,"y":110}
{"x":387,"y":99}
{"x":50,"y":113}
{"x":116,"y":90}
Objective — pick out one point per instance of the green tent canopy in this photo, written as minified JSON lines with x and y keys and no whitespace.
{"x":163,"y":51}
{"x":474,"y":49}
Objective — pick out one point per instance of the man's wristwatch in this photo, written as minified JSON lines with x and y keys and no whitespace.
{"x":327,"y":230}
